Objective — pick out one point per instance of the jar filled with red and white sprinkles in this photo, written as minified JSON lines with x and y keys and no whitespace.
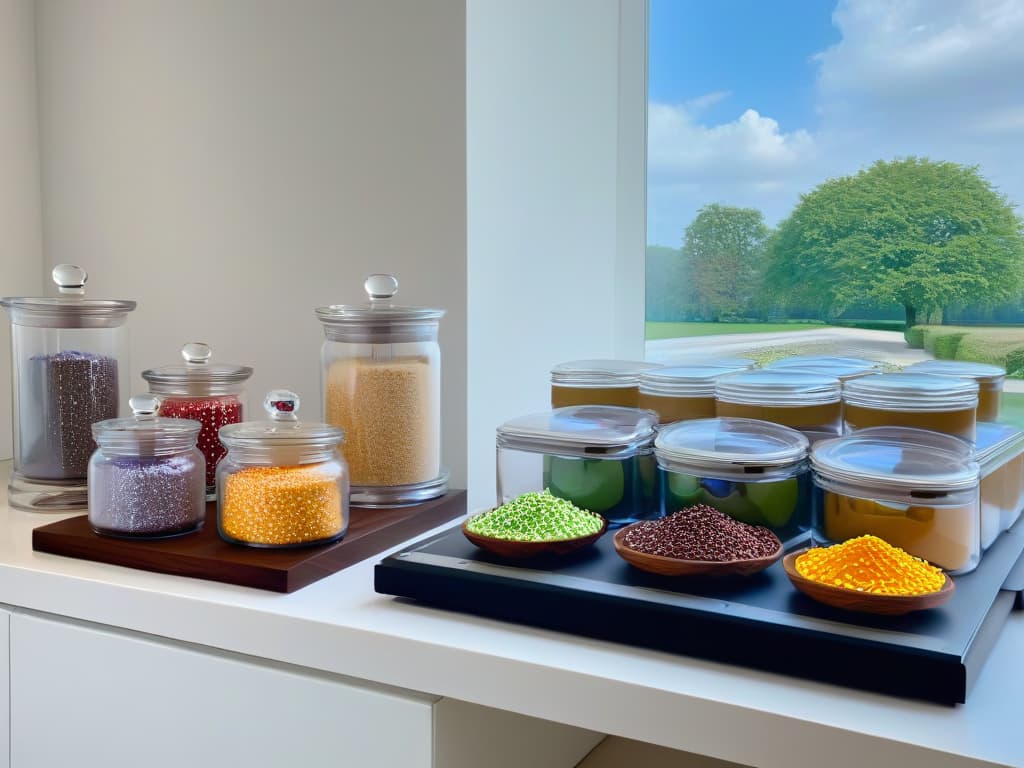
{"x":211,"y":393}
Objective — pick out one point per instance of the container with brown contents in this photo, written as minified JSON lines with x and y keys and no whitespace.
{"x":676,"y":394}
{"x":990,"y":380}
{"x":808,"y":402}
{"x":920,"y":400}
{"x":916,"y":489}
{"x":1000,"y":454}
{"x":597,"y":382}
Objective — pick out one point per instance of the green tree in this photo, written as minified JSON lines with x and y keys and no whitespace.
{"x":725,"y":247}
{"x":670,"y":296}
{"x":921,"y":234}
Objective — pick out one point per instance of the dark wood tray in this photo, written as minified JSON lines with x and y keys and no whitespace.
{"x":204,"y":555}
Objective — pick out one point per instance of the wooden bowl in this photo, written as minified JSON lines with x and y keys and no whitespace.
{"x":864,"y":602}
{"x":518,"y":550}
{"x":671,"y":566}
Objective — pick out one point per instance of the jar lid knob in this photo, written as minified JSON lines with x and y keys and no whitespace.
{"x":144,"y":407}
{"x":70,"y":278}
{"x":282,"y":405}
{"x":196,"y":353}
{"x":381,"y":289}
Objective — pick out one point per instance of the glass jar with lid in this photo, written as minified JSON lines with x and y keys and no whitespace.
{"x":70,"y":370}
{"x":381,"y":383}
{"x":999,"y":451}
{"x":211,"y":393}
{"x":916,"y":489}
{"x":922,"y":400}
{"x":842,"y":368}
{"x":754,"y":471}
{"x":990,"y":380}
{"x":808,"y":402}
{"x":283,"y":482}
{"x":147,"y":478}
{"x":683,"y":392}
{"x":597,"y":382}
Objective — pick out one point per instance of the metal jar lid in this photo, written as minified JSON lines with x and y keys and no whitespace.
{"x":842,"y":368}
{"x":682,"y":381}
{"x":911,"y":392}
{"x":596,"y":431}
{"x":197,"y":376}
{"x":778,"y":388}
{"x":980,"y":372}
{"x":379,"y":321}
{"x":70,"y":310}
{"x":600,"y":373}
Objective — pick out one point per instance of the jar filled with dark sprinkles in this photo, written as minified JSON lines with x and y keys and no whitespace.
{"x":70,"y":370}
{"x":147,"y":478}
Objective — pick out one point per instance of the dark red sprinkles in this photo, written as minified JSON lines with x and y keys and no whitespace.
{"x":703,"y":533}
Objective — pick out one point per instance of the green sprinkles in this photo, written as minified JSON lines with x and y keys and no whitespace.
{"x":536,"y":516}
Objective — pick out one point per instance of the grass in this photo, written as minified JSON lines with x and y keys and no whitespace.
{"x":657,"y":330}
{"x":1011,"y":409}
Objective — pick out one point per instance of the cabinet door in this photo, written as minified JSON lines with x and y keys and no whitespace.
{"x":84,"y":695}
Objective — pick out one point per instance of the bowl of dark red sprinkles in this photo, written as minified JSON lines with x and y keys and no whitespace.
{"x":698,"y":540}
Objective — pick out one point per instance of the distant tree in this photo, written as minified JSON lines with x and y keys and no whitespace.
{"x":670,"y":296}
{"x":921,"y":234}
{"x":725,"y":247}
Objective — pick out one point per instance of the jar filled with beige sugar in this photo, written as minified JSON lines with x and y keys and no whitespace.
{"x":381,"y":367}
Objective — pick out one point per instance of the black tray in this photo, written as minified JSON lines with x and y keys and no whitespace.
{"x":759,"y":621}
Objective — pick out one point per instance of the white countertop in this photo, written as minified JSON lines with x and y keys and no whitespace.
{"x":340,"y":625}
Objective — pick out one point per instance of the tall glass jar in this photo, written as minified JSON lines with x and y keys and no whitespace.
{"x":70,"y":370}
{"x":283,"y":482}
{"x":146,"y":478}
{"x":211,"y":393}
{"x":381,"y":383}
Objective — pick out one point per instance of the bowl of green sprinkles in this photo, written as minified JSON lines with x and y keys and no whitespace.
{"x":533,"y":525}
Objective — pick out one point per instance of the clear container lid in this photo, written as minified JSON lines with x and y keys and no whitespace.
{"x":379,"y":321}
{"x":895,"y":463}
{"x":197,"y":376}
{"x":682,"y":381}
{"x":582,"y":430}
{"x":841,"y":368}
{"x":283,"y":429}
{"x":600,"y":373}
{"x":144,"y":433}
{"x":71,"y":309}
{"x":995,"y":444}
{"x":733,"y":363}
{"x":778,"y":388}
{"x":731,"y":448}
{"x":980,"y":372}
{"x":911,"y":392}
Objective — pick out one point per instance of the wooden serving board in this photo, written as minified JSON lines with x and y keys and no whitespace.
{"x":204,"y":555}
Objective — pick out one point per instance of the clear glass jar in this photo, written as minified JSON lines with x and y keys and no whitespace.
{"x":990,"y":380}
{"x":921,"y":400}
{"x":597,"y":382}
{"x":147,"y":477}
{"x":754,"y":471}
{"x":211,"y":393}
{"x":916,"y":489}
{"x":70,"y":370}
{"x":1000,"y":455}
{"x":381,"y":383}
{"x":685,"y":392}
{"x":808,"y":402}
{"x":283,"y":483}
{"x":598,"y":457}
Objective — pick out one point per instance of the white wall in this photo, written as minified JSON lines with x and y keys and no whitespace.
{"x":555,"y":198}
{"x":20,"y":231}
{"x":231,"y":164}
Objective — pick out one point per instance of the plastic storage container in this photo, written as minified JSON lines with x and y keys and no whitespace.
{"x":147,"y":478}
{"x":842,"y":368}
{"x":1000,"y":455}
{"x":283,"y":482}
{"x":937,"y":403}
{"x":70,"y":370}
{"x":754,"y":471}
{"x":211,"y":393}
{"x":808,"y":402}
{"x":680,"y":393}
{"x":597,"y":382}
{"x":990,"y":380}
{"x":382,"y":385}
{"x":916,"y":489}
{"x":600,"y":457}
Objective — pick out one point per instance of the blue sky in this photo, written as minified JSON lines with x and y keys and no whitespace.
{"x":753,"y":102}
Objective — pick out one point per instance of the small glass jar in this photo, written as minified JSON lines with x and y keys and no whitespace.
{"x":147,"y":477}
{"x":381,"y":383}
{"x":920,"y":400}
{"x":916,"y":489}
{"x":600,"y":457}
{"x":842,"y":368}
{"x":808,"y":402}
{"x":597,"y":382}
{"x":70,"y":370}
{"x":1000,"y":455}
{"x":283,"y":482}
{"x":990,"y":380}
{"x":212,"y":394}
{"x":680,"y":393}
{"x":754,"y":471}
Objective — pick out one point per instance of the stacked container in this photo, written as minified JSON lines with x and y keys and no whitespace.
{"x":842,"y":368}
{"x":676,"y":394}
{"x":808,"y":402}
{"x":938,"y":403}
{"x":1000,"y":455}
{"x":597,"y":382}
{"x":990,"y":380}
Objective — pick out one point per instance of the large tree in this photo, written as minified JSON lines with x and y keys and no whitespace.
{"x":725,"y":249}
{"x":925,"y":235}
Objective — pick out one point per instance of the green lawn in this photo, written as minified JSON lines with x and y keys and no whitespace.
{"x":679,"y":330}
{"x":1011,"y":409}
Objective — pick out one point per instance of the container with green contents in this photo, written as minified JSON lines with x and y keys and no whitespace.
{"x":752,"y":470}
{"x":600,"y":457}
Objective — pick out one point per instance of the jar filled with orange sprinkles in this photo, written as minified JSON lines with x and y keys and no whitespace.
{"x":283,"y":482}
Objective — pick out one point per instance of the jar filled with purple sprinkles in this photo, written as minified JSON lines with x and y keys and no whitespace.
{"x":147,"y":478}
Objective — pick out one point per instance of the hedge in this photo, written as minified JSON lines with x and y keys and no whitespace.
{"x":1002,"y":346}
{"x":914,"y":337}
